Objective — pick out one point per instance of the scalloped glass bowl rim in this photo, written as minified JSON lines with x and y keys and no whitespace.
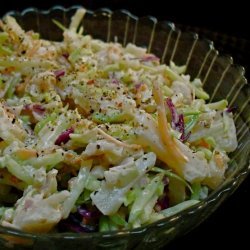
{"x":227,"y":187}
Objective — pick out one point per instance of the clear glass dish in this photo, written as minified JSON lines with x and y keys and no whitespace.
{"x":222,"y":79}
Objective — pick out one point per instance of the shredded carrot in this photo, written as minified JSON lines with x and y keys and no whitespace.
{"x":119,"y":143}
{"x":219,"y":160}
{"x":82,"y":67}
{"x":31,"y":51}
{"x":201,"y":143}
{"x":139,"y":90}
{"x":8,"y":70}
{"x":174,"y":157}
{"x":204,"y":144}
{"x":25,"y":153}
{"x":72,"y":160}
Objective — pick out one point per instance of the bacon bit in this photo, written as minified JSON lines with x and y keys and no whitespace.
{"x":64,"y":137}
{"x":119,"y":143}
{"x":59,"y":73}
{"x":91,"y":82}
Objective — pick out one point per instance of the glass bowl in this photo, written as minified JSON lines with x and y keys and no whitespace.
{"x":221,"y":78}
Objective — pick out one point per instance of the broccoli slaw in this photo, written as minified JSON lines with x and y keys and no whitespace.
{"x":95,"y":136}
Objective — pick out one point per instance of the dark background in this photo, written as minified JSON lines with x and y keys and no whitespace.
{"x":228,"y":25}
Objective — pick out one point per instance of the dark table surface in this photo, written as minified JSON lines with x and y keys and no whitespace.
{"x":228,"y":26}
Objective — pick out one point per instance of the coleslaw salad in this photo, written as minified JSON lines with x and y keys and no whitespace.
{"x":99,"y":137}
